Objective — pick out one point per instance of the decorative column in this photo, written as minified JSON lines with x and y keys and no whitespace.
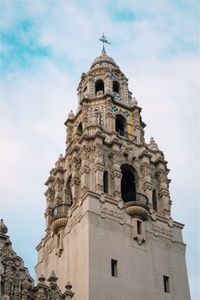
{"x":98,"y":165}
{"x":145,"y":169}
{"x":91,"y":88}
{"x":85,"y":115}
{"x":107,"y":83}
{"x":59,"y":182}
{"x":136,"y":124}
{"x":85,"y":170}
{"x":75,"y":175}
{"x":116,"y":170}
{"x":40,"y":289}
{"x":124,"y":90}
{"x":164,"y":203}
{"x":109,"y":114}
{"x":25,"y":288}
{"x":70,"y":128}
{"x":50,"y":196}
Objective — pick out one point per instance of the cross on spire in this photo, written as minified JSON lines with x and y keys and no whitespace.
{"x":104,"y":40}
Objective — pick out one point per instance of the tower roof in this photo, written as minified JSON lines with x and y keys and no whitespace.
{"x":103,"y":59}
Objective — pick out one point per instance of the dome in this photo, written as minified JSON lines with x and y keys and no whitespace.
{"x":103,"y":60}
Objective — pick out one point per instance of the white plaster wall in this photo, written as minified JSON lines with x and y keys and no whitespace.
{"x":73,"y":264}
{"x":95,"y":239}
{"x":140,"y":268}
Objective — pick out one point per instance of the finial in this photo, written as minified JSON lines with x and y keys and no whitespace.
{"x":135,"y":101}
{"x":3,"y":228}
{"x":153,"y":144}
{"x":68,"y":293}
{"x":41,"y":278}
{"x":52,"y":277}
{"x":104,"y":40}
{"x":71,"y":115}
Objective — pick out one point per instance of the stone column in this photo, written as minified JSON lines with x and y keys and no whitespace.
{"x":116,"y":171}
{"x":109,"y":115}
{"x":147,"y":185}
{"x":70,"y":128}
{"x":50,"y":197}
{"x":98,"y":166}
{"x":40,"y":289}
{"x":75,"y":176}
{"x":136,"y":125}
{"x":164,"y":203}
{"x":85,"y":170}
{"x":59,"y":183}
{"x":107,"y":83}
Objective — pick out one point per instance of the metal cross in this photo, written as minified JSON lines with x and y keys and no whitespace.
{"x":104,"y":40}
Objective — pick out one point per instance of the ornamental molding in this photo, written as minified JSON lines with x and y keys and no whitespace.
{"x":163,"y":229}
{"x":112,"y":212}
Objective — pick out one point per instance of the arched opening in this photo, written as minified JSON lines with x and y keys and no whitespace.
{"x":120,"y":124}
{"x":128,"y":189}
{"x":80,"y":129}
{"x":69,"y":191}
{"x":154,"y":200}
{"x":99,"y":86}
{"x":105,"y":181}
{"x":116,"y":87}
{"x":85,"y":89}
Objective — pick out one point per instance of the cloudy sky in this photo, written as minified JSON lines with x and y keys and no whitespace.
{"x":44,"y":48}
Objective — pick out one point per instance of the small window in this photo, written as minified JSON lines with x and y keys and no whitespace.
{"x":58,"y":240}
{"x":80,"y":129}
{"x":105,"y":181}
{"x":116,"y":87}
{"x":166,"y":283}
{"x":114,"y":268}
{"x":154,"y":200}
{"x":139,"y":227}
{"x":69,"y":191}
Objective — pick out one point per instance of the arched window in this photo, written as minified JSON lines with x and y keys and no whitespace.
{"x":128,"y":189}
{"x":116,"y":87}
{"x":154,"y":200}
{"x":120,"y":124}
{"x":99,"y":86}
{"x":80,"y":129}
{"x":105,"y":181}
{"x":69,"y":191}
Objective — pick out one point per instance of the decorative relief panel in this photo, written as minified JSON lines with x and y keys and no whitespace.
{"x":112,"y":212}
{"x":162,"y":228}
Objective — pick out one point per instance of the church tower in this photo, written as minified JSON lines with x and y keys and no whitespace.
{"x":109,"y":229}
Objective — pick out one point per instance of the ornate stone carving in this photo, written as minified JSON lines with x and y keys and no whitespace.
{"x":108,"y":211}
{"x":162,"y":228}
{"x":17,"y":284}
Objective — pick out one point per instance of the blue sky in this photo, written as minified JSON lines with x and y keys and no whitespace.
{"x":44,"y":48}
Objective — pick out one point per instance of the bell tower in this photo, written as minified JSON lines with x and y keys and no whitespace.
{"x":109,"y":229}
